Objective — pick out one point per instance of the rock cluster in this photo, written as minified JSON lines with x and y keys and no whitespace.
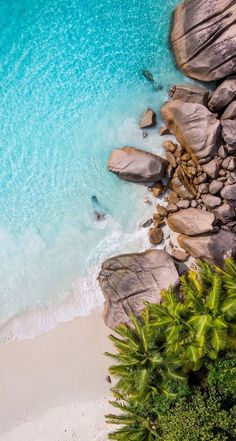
{"x":201,"y":202}
{"x":201,"y":205}
{"x":200,"y":208}
{"x":200,"y":168}
{"x":204,"y":164}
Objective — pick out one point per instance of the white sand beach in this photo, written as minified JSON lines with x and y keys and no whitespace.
{"x":53,"y":387}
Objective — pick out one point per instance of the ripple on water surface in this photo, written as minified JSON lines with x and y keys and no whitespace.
{"x":71,"y":90}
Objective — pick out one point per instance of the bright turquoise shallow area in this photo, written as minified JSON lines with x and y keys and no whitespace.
{"x":70,"y":91}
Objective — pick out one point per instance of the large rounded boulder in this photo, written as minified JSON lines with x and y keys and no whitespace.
{"x":224,"y":94}
{"x":203,"y":38}
{"x":190,"y":94}
{"x":192,"y":221}
{"x":136,"y":165}
{"x":194,"y":126}
{"x":212,"y":247}
{"x":128,"y":280}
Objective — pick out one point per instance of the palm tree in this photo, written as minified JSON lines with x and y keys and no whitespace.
{"x":142,"y":365}
{"x":199,"y":319}
{"x":138,"y":422}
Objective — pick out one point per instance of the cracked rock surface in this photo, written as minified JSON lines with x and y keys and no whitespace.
{"x":129,"y":280}
{"x":203,"y":38}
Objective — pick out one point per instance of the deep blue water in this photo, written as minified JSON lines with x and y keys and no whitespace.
{"x":71,"y":89}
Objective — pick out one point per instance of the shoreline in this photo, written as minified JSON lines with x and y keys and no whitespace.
{"x":51,"y":384}
{"x":76,"y":303}
{"x":70,"y":298}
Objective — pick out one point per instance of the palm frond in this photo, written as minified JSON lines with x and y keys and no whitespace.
{"x":192,"y":291}
{"x":200,"y":323}
{"x":124,"y":345}
{"x":229,"y":276}
{"x":214,"y":294}
{"x":218,"y":338}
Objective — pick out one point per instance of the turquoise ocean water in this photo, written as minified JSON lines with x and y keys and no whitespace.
{"x":71,"y":89}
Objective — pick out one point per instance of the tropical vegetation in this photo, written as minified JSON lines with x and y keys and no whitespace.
{"x":175,"y":366}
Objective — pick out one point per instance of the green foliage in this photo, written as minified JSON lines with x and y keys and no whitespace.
{"x":157,"y":354}
{"x":222,"y":375}
{"x":140,"y":417}
{"x":201,"y":418}
{"x":138,"y":421}
{"x":142,"y":365}
{"x":199,"y":320}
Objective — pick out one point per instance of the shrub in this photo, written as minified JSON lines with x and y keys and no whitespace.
{"x":202,"y":417}
{"x":222,"y":374}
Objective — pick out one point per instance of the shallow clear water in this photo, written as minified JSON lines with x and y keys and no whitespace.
{"x":71,"y":90}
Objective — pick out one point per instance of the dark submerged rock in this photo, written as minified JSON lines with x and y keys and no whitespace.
{"x":148,"y":75}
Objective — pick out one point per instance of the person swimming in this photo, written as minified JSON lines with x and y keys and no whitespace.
{"x":99,"y":212}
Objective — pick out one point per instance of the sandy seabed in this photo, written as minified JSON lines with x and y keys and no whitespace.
{"x":53,"y":387}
